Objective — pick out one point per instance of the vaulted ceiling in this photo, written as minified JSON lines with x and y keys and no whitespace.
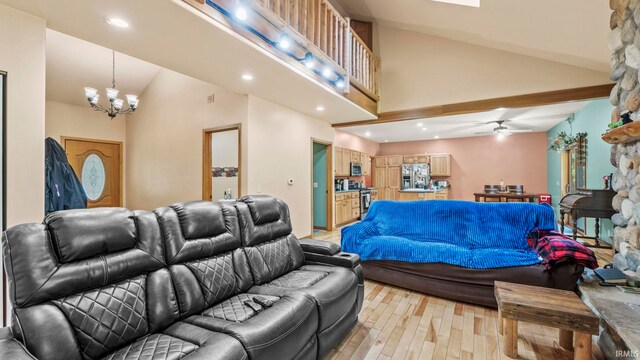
{"x":569,"y":31}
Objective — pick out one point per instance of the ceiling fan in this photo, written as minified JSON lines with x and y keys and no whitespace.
{"x":502,"y":130}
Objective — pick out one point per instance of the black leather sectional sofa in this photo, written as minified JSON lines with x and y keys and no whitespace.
{"x":182,"y":282}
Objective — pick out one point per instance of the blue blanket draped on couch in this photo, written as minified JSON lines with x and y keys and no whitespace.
{"x":462,"y":233}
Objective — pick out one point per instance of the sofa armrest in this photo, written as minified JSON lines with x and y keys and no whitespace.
{"x":10,"y":348}
{"x":341,"y":259}
{"x":319,"y":247}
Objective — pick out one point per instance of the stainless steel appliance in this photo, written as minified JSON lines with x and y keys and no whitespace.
{"x":356,"y":169}
{"x":365,"y":202}
{"x":415,"y":176}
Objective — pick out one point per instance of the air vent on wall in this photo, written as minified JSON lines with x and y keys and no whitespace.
{"x":211,"y":98}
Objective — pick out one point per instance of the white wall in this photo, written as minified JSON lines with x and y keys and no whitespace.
{"x":22,"y":56}
{"x":83,"y":122}
{"x":419,"y":70}
{"x":279,"y":149}
{"x":164,"y":138}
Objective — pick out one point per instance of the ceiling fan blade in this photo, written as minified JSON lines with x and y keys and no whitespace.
{"x":520,"y":131}
{"x":485,"y":133}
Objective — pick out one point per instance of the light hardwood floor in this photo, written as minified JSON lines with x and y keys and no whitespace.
{"x":396,"y":323}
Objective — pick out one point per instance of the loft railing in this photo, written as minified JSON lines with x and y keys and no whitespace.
{"x":364,"y":68}
{"x":323,"y":27}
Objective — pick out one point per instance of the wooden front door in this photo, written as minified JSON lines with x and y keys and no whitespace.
{"x":98,"y":165}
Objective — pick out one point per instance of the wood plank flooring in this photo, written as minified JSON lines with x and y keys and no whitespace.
{"x":396,"y":323}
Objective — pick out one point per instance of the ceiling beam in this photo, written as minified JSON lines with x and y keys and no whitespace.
{"x":511,"y":102}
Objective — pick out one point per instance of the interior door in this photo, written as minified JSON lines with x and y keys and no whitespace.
{"x":98,"y":165}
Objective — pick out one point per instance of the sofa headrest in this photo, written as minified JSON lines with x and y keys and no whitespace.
{"x":264,"y":209}
{"x":200,"y":219}
{"x":86,"y":233}
{"x":77,"y":250}
{"x":198,"y":230}
{"x":263,"y":218}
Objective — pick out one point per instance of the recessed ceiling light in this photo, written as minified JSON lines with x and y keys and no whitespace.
{"x":472,"y":3}
{"x":367,"y":134}
{"x":247,"y":77}
{"x":419,"y":124}
{"x":241,"y":13}
{"x":386,"y":141}
{"x":424,"y":129}
{"x":320,"y":108}
{"x":117,"y":22}
{"x":436,"y":137}
{"x":284,"y":42}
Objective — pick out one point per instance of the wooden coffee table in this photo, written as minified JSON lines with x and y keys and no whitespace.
{"x":556,"y":308}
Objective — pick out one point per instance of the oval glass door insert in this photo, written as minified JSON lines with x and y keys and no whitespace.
{"x":93,"y":177}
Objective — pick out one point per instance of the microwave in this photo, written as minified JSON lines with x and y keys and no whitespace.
{"x":356,"y":169}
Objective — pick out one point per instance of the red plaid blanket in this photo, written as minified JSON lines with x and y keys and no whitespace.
{"x":555,"y":248}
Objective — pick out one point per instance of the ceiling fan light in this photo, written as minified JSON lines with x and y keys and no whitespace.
{"x":94,"y":100}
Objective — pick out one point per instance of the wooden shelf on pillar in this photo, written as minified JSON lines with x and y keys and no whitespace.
{"x":624,"y":134}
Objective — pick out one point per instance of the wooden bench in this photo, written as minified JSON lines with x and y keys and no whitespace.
{"x":556,"y":308}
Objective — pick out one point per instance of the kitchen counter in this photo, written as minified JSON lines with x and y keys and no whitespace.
{"x":423,"y":190}
{"x":346,"y":191}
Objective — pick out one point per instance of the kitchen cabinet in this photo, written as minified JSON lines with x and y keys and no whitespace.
{"x":409,"y":159}
{"x":392,"y":193}
{"x":440,"y":164}
{"x":346,"y":162}
{"x":394,"y":160}
{"x":379,"y":177}
{"x":366,"y":164}
{"x":380,"y":161}
{"x":422,"y":159}
{"x":442,"y":195}
{"x":355,"y":156}
{"x":374,"y":195}
{"x":337,"y":162}
{"x":347,"y":207}
{"x":410,"y":196}
{"x":393,"y":176}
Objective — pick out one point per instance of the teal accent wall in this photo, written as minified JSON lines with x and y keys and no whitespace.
{"x":319,"y":191}
{"x":592,"y":119}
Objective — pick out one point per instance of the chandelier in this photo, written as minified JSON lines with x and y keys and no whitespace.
{"x":115,"y":104}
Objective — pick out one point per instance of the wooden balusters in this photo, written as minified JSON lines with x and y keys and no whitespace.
{"x":319,"y":22}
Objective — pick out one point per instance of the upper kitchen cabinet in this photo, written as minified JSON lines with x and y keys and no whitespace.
{"x":422,"y":159}
{"x":365,"y":160}
{"x":355,"y":157}
{"x":409,"y":159}
{"x":394,"y":160}
{"x":440,"y":164}
{"x":342,"y":162}
{"x":380,"y":161}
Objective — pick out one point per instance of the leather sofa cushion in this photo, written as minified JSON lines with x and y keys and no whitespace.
{"x":154,"y":347}
{"x":333,"y":288}
{"x":234,"y":309}
{"x":278,"y":332}
{"x":80,"y":234}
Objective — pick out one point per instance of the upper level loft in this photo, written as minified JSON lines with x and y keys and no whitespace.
{"x":309,"y":35}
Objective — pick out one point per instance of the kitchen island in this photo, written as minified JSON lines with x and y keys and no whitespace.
{"x":423,"y":194}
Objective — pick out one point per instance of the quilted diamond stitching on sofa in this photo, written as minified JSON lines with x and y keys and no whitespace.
{"x":276,"y":255}
{"x":298,"y":279}
{"x":234,"y":309}
{"x":216,"y":277}
{"x":154,"y":347}
{"x":109,"y":317}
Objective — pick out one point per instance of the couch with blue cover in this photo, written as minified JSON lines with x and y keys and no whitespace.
{"x":455,"y":249}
